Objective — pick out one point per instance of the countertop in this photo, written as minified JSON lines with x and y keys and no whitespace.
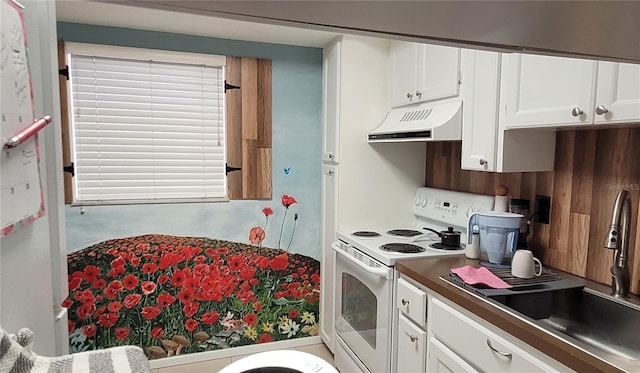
{"x":428,"y":271}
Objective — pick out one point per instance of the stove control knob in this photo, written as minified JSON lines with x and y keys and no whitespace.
{"x":417,"y":202}
{"x":424,"y":202}
{"x":469,"y":212}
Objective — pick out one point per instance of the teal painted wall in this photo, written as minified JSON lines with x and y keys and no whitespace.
{"x":297,"y":121}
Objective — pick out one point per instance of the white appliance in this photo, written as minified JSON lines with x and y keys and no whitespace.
{"x":430,"y":121}
{"x":364,"y":283}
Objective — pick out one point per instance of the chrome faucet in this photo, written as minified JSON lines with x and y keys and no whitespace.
{"x":618,"y":240}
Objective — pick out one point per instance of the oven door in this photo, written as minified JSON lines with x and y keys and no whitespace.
{"x":364,"y":306}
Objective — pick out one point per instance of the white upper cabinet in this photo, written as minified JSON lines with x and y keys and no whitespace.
{"x":331,"y":80}
{"x":422,"y":72}
{"x":545,"y":91}
{"x":618,"y":94}
{"x":486,"y":145}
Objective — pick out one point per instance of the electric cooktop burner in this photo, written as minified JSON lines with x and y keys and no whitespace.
{"x":440,"y":246}
{"x":366,"y":234}
{"x":404,"y":232}
{"x":402,"y":248}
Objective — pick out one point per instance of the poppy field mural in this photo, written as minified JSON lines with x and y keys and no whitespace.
{"x":174,"y":295}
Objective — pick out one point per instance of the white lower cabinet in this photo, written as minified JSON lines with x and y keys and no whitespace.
{"x":442,"y":359}
{"x":462,"y":344}
{"x":412,"y":346}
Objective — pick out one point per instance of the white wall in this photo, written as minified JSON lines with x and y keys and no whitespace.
{"x":377,"y":182}
{"x":32,"y":288}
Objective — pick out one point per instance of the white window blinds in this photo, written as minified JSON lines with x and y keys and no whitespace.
{"x":147,"y":130}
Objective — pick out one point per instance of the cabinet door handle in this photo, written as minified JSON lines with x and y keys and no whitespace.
{"x":576,"y":112}
{"x":413,"y":338}
{"x":409,"y":95}
{"x":330,"y":172}
{"x":418,"y":94}
{"x":508,"y":355}
{"x":404,"y":302}
{"x":331,"y":155}
{"x":601,"y":109}
{"x":482,"y":162}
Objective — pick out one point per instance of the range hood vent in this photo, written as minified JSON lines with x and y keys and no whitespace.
{"x":427,"y":122}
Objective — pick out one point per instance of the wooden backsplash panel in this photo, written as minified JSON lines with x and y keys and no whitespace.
{"x":591,"y":166}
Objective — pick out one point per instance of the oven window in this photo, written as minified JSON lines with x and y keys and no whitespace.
{"x":359,"y":308}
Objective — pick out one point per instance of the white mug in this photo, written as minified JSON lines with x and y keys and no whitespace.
{"x":523,"y":264}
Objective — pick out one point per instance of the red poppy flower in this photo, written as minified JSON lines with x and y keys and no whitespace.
{"x":118,"y":262}
{"x":99,"y":283}
{"x":91,"y":273}
{"x":108,"y":320}
{"x":247,"y":273}
{"x":293,"y":314}
{"x":132,"y":300}
{"x":163,"y":279}
{"x":210,"y":318}
{"x":135,"y":261}
{"x":130,"y":282}
{"x":165,"y":300}
{"x":250,"y":319}
{"x":178,"y":278}
{"x":236,"y":262}
{"x":76,"y":274}
{"x":257,"y":306}
{"x":114,"y":306}
{"x":315,"y":278}
{"x":157,"y":332}
{"x":264,"y":338}
{"x":256,"y":235}
{"x":67,"y":302}
{"x":121,"y":333}
{"x":190,"y":309}
{"x":112,"y":290}
{"x":186,"y":296}
{"x":86,"y":310}
{"x":148,"y":287}
{"x":288,"y":200}
{"x":75,"y":283}
{"x":262,"y":262}
{"x":71,"y":326}
{"x":279,"y":262}
{"x":150,"y":313}
{"x":191,"y":325}
{"x":89,"y":330}
{"x":267,"y":211}
{"x":116,"y":271}
{"x":149,"y":268}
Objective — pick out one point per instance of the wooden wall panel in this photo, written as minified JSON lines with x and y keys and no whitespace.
{"x":249,"y":126}
{"x":591,"y":167}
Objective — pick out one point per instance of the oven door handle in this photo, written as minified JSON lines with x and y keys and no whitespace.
{"x":382,"y":272}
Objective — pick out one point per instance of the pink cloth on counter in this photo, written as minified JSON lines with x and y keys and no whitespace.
{"x":480,"y":275}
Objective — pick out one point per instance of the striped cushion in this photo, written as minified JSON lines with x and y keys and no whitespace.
{"x":15,"y":358}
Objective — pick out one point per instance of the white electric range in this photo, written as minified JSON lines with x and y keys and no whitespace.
{"x":365,"y":273}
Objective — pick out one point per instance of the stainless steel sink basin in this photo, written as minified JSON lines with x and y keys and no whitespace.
{"x":606,"y":326}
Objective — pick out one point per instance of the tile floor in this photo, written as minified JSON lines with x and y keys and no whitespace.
{"x":212,"y":366}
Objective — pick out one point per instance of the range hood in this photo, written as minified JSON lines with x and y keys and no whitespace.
{"x":427,"y":122}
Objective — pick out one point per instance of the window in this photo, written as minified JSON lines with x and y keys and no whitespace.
{"x":146,"y":127}
{"x":245,"y":142}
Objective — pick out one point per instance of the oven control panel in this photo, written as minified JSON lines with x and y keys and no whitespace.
{"x":450,"y":207}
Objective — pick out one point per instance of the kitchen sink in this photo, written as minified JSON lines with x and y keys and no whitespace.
{"x":597,"y":323}
{"x":608,"y":324}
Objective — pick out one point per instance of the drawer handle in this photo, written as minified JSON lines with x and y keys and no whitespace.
{"x":404,"y":302}
{"x":508,"y":355}
{"x":413,"y":338}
